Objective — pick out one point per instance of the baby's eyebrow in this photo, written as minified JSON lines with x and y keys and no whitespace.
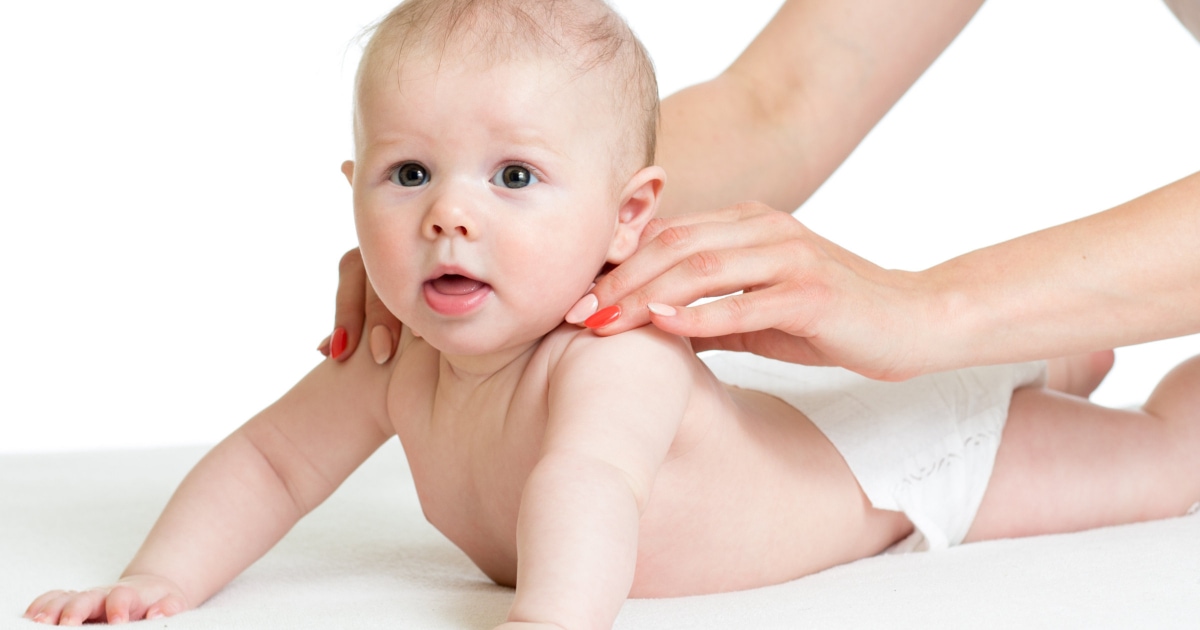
{"x":527,"y":137}
{"x":377,"y":143}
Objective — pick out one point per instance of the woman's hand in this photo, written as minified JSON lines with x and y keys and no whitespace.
{"x":358,"y":305}
{"x":133,"y":598}
{"x":803,"y":299}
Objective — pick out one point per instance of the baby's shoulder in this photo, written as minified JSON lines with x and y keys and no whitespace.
{"x":570,"y":349}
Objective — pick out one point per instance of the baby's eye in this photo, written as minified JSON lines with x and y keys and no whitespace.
{"x":514,"y":176}
{"x":409,"y":174}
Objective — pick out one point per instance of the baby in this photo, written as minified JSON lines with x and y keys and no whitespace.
{"x":504,"y":154}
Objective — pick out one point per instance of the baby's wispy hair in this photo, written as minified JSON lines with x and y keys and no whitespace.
{"x":588,"y":33}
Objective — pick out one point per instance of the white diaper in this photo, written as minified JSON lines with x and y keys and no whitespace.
{"x":924,"y":447}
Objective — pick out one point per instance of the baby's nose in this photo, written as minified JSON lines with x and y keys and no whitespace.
{"x":450,"y":227}
{"x":447,"y":218}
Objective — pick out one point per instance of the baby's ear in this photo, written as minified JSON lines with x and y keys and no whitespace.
{"x":639,"y":201}
{"x":348,"y":171}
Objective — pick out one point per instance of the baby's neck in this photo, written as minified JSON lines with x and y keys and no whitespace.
{"x":480,"y":388}
{"x":471,"y":372}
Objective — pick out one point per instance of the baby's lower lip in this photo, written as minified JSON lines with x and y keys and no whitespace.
{"x":455,"y":298}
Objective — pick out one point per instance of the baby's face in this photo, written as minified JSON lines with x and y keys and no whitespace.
{"x":484,"y":196}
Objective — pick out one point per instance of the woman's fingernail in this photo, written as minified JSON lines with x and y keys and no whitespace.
{"x":603,"y":317}
{"x":582,"y":309}
{"x":381,"y":344}
{"x":661,"y":309}
{"x":337,"y":344}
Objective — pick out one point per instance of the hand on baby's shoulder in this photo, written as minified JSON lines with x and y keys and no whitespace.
{"x":133,"y":598}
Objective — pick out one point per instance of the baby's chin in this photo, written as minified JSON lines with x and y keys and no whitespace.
{"x":466,"y":340}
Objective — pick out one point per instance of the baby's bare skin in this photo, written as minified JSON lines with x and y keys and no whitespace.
{"x":580,"y":469}
{"x":743,"y":466}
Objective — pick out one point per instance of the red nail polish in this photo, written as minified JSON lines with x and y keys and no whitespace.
{"x":603,"y":317}
{"x":337,"y":345}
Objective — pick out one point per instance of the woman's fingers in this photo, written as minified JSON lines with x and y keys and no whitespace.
{"x":732,"y":214}
{"x":744,"y":312}
{"x":748,"y":322}
{"x":771,"y":343}
{"x":667,"y":243}
{"x":350,"y":307}
{"x":383,"y":326}
{"x":715,"y":274}
{"x":684,"y":262}
{"x":784,"y":292}
{"x":359,"y":308}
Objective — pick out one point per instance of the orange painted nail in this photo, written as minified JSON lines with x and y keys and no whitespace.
{"x":603,"y":317}
{"x":337,"y":345}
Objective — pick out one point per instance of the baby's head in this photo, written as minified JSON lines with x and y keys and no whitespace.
{"x":503,"y":152}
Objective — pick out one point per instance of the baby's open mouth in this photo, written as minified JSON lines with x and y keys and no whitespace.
{"x":454,"y":284}
{"x":453,"y":294}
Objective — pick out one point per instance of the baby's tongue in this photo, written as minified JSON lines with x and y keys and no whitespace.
{"x":455,"y":285}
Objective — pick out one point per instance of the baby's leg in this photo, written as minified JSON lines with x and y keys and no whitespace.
{"x":1065,"y":464}
{"x":1079,"y":374}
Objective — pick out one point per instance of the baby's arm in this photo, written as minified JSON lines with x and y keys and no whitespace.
{"x":243,"y":496}
{"x":615,"y":406}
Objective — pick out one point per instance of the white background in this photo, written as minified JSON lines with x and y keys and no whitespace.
{"x":171,"y":211}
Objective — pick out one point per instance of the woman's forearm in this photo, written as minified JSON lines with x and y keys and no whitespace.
{"x":1124,"y":276}
{"x":777,"y":123}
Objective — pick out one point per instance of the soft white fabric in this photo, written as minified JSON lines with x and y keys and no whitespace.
{"x":367,"y":559}
{"x":924,"y":447}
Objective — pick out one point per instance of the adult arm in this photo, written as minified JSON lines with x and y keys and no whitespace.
{"x":778,"y":122}
{"x":1124,"y":276}
{"x":1127,"y":275}
{"x":1188,"y":12}
{"x":813,"y":302}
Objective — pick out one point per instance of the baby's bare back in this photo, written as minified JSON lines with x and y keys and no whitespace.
{"x":750,"y":493}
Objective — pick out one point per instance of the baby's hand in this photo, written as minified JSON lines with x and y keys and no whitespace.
{"x":132,"y":598}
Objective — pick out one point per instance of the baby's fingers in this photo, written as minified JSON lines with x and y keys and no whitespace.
{"x":40,"y":603}
{"x":165,"y":607}
{"x":123,"y":605}
{"x":70,"y":608}
{"x":48,"y":607}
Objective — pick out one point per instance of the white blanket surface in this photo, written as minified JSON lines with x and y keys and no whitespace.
{"x":367,"y":559}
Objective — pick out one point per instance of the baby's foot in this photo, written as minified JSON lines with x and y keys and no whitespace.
{"x":1079,"y":374}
